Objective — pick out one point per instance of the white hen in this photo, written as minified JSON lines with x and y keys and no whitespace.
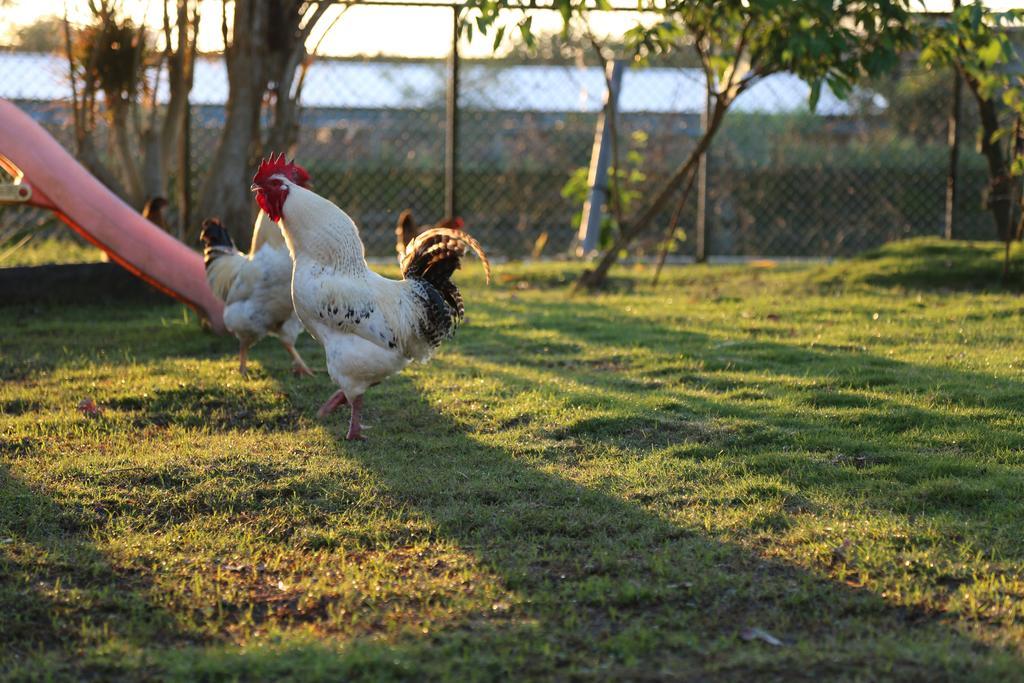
{"x":255,"y":287}
{"x":371,"y":327}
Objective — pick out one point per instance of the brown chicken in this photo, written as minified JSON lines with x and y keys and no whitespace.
{"x":153,"y":211}
{"x":407,"y":230}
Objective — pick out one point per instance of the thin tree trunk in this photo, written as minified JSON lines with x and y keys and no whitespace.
{"x":86,"y":153}
{"x":226,"y":190}
{"x":284,"y":133}
{"x":120,"y":141}
{"x":180,"y":70}
{"x":82,"y":109}
{"x":670,"y":233}
{"x":154,"y":176}
{"x":1000,"y":198}
{"x":289,"y":55}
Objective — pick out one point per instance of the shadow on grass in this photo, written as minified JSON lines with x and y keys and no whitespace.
{"x":606,"y":588}
{"x":60,"y":594}
{"x":601,"y":586}
{"x":216,"y":408}
{"x":838,"y":420}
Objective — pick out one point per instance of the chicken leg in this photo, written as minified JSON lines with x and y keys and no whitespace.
{"x":243,"y":357}
{"x":355,"y":425}
{"x":333,"y":403}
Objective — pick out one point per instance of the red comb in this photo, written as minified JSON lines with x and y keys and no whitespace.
{"x":273,"y":165}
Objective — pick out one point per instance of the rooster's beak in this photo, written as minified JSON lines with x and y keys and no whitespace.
{"x":253,"y":187}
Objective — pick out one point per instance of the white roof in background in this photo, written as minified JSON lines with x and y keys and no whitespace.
{"x":414,"y":85}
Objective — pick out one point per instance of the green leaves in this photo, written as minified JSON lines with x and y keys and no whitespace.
{"x":525,"y":30}
{"x":834,"y":41}
{"x":815,"y":93}
{"x":737,"y":42}
{"x":993,"y":53}
{"x":498,"y":35}
{"x":973,"y":37}
{"x":975,"y":41}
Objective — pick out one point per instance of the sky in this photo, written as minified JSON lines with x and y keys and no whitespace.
{"x":400,"y":31}
{"x":369,"y":30}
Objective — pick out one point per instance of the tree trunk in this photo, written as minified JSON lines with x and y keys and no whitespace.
{"x":226,"y":190}
{"x":180,"y":69}
{"x":287,"y":60}
{"x":121,"y":142}
{"x":85,"y":152}
{"x":1000,"y":198}
{"x":154,"y":176}
{"x":596,"y":278}
{"x":284,"y":133}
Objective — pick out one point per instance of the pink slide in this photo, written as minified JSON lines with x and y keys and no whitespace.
{"x":52,"y":179}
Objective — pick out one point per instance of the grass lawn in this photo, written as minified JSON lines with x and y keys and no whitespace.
{"x":799,"y":473}
{"x":46,"y":250}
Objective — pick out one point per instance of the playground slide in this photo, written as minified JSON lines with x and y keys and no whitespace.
{"x":50,"y":178}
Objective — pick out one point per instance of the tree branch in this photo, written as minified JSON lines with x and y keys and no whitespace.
{"x":672,"y":225}
{"x":594,"y":278}
{"x":75,"y":109}
{"x":738,"y":58}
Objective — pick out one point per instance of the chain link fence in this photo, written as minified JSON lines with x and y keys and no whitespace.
{"x":782,"y":182}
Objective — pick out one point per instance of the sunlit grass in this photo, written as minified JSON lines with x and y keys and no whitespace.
{"x":34,"y":250}
{"x":621,"y":487}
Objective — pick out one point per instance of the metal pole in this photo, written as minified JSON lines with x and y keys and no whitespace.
{"x":451,"y":131}
{"x":701,"y":250}
{"x":597,"y":177}
{"x":954,"y":150}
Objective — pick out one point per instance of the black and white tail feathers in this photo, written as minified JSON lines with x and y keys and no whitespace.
{"x":222,"y":258}
{"x":216,"y":241}
{"x":407,"y":230}
{"x":430,"y":259}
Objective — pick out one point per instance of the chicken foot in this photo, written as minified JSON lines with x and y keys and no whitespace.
{"x":299,"y":366}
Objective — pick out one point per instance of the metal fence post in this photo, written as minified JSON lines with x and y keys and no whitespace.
{"x":451,"y":130}
{"x":597,"y":177}
{"x":701,"y":248}
{"x":954,"y":150}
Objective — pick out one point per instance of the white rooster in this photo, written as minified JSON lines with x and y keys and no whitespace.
{"x":255,"y":287}
{"x":371,"y":327}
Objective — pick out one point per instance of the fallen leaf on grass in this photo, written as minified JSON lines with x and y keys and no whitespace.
{"x":88,"y":407}
{"x":749,"y":634}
